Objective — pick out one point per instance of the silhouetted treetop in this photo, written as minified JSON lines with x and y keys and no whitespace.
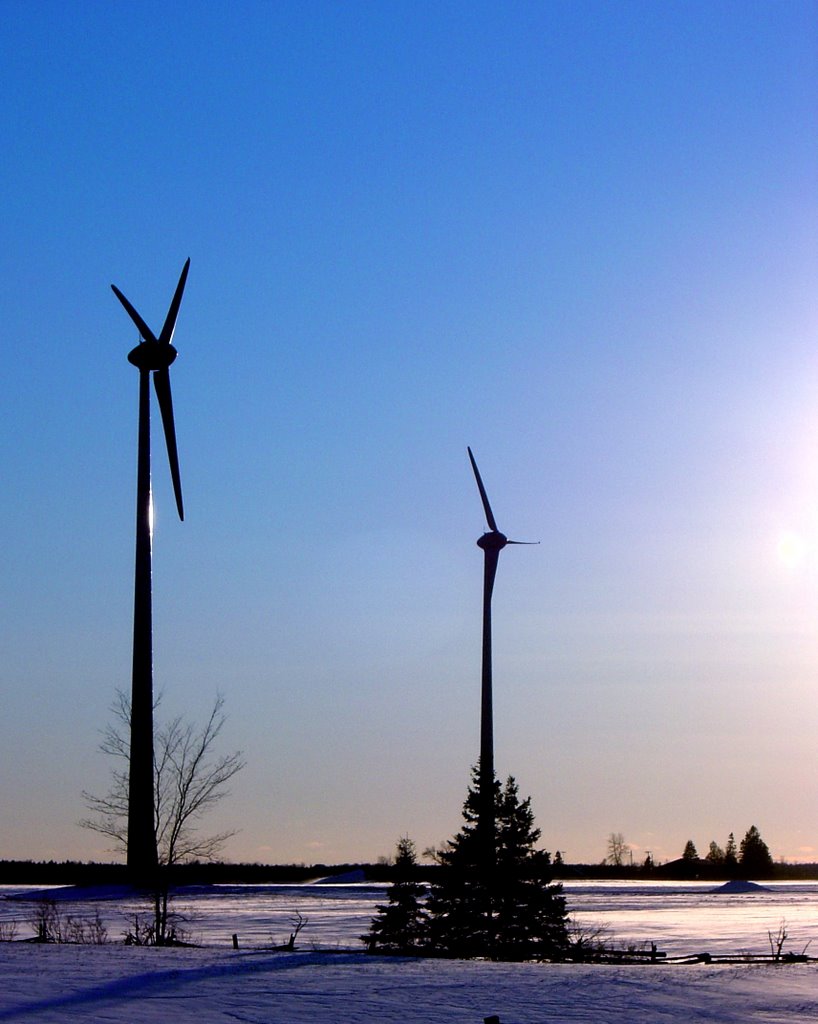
{"x":754,"y":854}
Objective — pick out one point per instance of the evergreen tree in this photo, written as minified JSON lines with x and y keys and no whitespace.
{"x":690,"y":851}
{"x":511,"y":913}
{"x":715,"y":855}
{"x":755,"y":858}
{"x":530,"y":912}
{"x":399,"y":926}
{"x":730,"y":854}
{"x":458,"y":903}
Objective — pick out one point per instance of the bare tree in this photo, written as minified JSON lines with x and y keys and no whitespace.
{"x":190,"y":779}
{"x":618,"y":850}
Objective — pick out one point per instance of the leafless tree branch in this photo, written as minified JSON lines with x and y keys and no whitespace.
{"x":189,"y":780}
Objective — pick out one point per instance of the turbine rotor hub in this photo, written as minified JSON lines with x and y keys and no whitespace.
{"x":493,"y":541}
{"x":150,"y":355}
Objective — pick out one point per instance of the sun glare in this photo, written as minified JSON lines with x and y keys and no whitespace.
{"x":791,"y":549}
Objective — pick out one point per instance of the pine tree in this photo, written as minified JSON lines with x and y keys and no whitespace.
{"x":730,"y":854}
{"x":515,"y":913}
{"x":530,"y":912}
{"x":458,"y":903}
{"x":755,"y":858}
{"x":400,"y":925}
{"x":690,"y":851}
{"x":715,"y":855}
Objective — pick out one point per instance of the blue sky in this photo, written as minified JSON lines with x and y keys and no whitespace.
{"x":579,"y":237}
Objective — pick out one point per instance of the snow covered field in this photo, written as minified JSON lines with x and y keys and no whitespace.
{"x":680,"y":918}
{"x":691,"y":917}
{"x":123,"y":985}
{"x":324,"y":983}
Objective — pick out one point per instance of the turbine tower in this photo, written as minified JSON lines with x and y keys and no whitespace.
{"x":492,"y":544}
{"x":151,"y":356}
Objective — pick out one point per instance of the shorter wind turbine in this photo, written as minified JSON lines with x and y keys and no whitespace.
{"x":492,"y":544}
{"x":151,"y":356}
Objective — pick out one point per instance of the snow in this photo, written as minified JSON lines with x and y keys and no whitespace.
{"x":119,"y":985}
{"x":329,"y":979}
{"x":737,"y":885}
{"x":685,"y":918}
{"x":681,"y":918}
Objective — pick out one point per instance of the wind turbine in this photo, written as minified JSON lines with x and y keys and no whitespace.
{"x":151,"y":356}
{"x":492,"y":544}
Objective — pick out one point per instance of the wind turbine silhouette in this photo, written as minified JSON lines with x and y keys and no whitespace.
{"x":492,"y":544}
{"x":151,"y":356}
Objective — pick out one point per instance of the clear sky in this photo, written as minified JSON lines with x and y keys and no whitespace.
{"x":577,"y":236}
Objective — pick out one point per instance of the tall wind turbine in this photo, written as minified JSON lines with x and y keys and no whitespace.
{"x":492,"y":544}
{"x":151,"y":356}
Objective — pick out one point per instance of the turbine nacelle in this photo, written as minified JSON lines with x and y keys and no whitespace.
{"x":152,"y":355}
{"x":493,"y":541}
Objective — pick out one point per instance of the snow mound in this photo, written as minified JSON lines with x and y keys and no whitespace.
{"x":738,"y":885}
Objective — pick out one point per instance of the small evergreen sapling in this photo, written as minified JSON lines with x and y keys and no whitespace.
{"x":400,"y":925}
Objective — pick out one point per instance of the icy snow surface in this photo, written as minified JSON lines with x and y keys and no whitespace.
{"x":325,"y":982}
{"x":123,"y":985}
{"x":681,"y":918}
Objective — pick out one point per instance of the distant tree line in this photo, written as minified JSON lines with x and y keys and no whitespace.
{"x":752,"y":858}
{"x":69,"y":872}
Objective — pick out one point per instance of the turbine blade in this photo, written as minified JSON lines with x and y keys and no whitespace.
{"x":484,"y":497}
{"x":161,"y":383}
{"x":489,"y":572}
{"x":522,"y":542}
{"x":170,"y":320}
{"x":144,"y":331}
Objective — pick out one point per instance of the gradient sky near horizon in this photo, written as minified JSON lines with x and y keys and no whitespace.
{"x":577,"y":236}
